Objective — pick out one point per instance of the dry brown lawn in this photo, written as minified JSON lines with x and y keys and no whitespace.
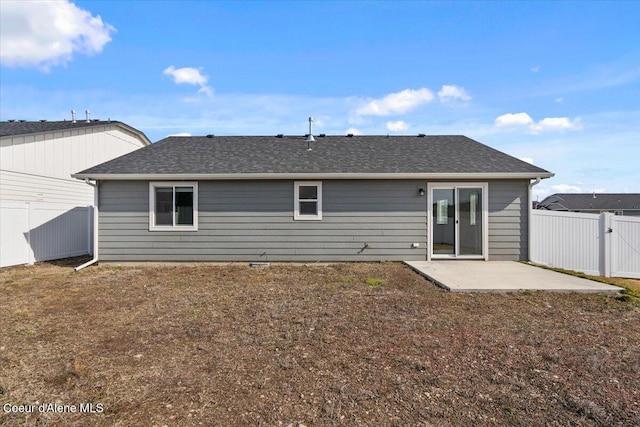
{"x":317,"y":345}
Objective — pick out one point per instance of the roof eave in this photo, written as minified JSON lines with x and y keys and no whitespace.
{"x":146,"y":141}
{"x":313,"y":176}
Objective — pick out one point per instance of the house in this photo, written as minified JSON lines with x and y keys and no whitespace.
{"x":627,"y":204}
{"x":44,"y":211}
{"x":300,"y":198}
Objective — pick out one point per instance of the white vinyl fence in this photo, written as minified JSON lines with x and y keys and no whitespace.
{"x":31,"y":232}
{"x":600,"y":245}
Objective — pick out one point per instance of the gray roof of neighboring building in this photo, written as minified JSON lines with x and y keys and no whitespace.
{"x":329,"y":155}
{"x":23,"y":127}
{"x":591,"y":201}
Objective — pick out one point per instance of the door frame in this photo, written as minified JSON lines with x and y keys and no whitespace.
{"x":485,"y":218}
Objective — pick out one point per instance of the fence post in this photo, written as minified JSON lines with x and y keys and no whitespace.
{"x":614,"y":263}
{"x":605,"y":235}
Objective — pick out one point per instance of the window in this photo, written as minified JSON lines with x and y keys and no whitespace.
{"x":308,"y":201}
{"x":173,"y":206}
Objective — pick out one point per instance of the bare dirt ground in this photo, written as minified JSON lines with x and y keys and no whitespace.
{"x":319,"y":345}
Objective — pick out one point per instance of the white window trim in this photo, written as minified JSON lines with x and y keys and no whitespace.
{"x":296,"y":202}
{"x":152,"y":205}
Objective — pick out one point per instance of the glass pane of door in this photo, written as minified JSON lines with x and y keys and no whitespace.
{"x":470,"y":221}
{"x":444,"y":227}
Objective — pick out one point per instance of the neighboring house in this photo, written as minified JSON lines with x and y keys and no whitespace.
{"x":45,"y":212}
{"x":338,"y":198}
{"x":627,"y":204}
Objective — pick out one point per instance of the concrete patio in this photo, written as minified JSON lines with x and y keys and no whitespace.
{"x":502,"y":276}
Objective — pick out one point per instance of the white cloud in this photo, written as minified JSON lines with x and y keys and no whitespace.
{"x":46,"y":34}
{"x":449,"y":93}
{"x":191,"y":76}
{"x":179,"y":134}
{"x":535,"y":69}
{"x":186,"y":75}
{"x":396,"y":103}
{"x":565,"y":188}
{"x":353,"y":131}
{"x":559,"y":100}
{"x":548,"y":124}
{"x":397,"y":126}
{"x":206,"y":90}
{"x":509,"y":119}
{"x":554,"y":124}
{"x":527,"y":159}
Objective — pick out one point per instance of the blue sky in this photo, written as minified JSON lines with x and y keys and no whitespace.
{"x":552,"y":82}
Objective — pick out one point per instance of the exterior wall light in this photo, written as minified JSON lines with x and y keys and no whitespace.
{"x":421,"y":191}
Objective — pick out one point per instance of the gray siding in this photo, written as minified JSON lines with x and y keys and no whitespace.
{"x":508,"y":219}
{"x":253,"y":221}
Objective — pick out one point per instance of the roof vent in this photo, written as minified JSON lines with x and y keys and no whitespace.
{"x":96,"y":120}
{"x":42,"y":120}
{"x":88,"y":113}
{"x":349,"y":135}
{"x":73,"y":116}
{"x":322,"y":135}
{"x":309,"y":137}
{"x":421,"y":135}
{"x":11,"y":121}
{"x":279,"y":135}
{"x":22,"y":121}
{"x":210,"y":135}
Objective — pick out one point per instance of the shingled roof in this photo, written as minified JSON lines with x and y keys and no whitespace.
{"x":591,"y":201}
{"x":274,"y":157}
{"x":23,"y":127}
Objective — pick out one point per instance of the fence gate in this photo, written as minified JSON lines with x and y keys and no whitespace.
{"x":625,"y":246}
{"x":596,"y":244}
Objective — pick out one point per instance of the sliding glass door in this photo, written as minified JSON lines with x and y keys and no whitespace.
{"x":458,"y":220}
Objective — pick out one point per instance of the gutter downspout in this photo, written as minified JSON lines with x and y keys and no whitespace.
{"x":529,"y":215}
{"x":95,"y":226}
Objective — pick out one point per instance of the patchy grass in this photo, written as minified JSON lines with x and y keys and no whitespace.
{"x":374,"y":282}
{"x":632,"y":286}
{"x":315,"y":345}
